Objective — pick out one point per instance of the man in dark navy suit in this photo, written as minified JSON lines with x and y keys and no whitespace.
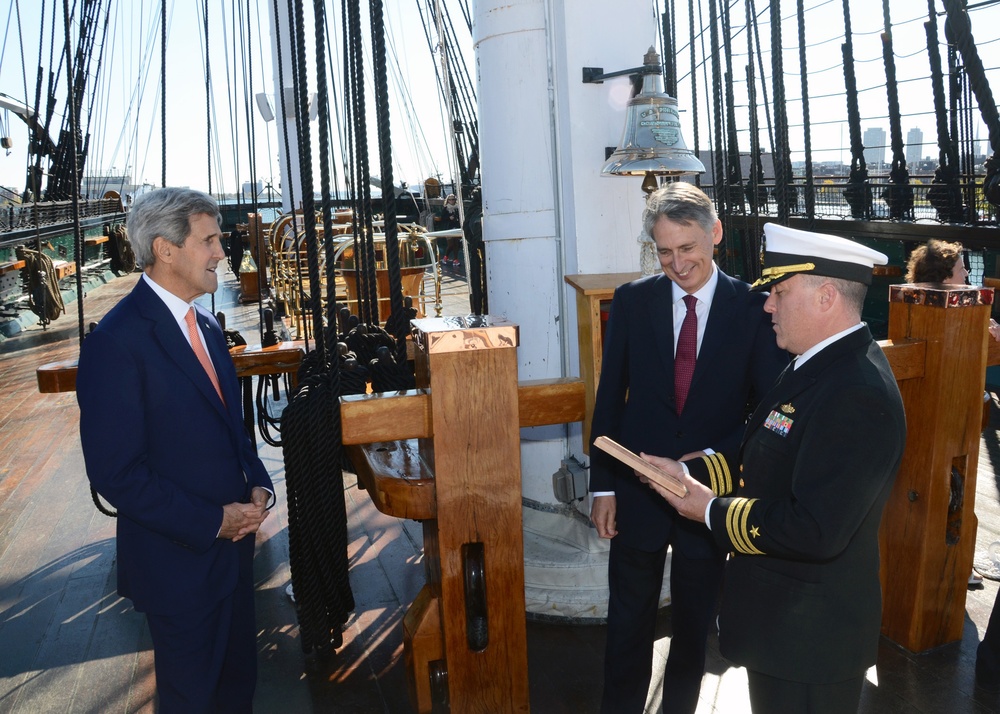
{"x":164,"y":442}
{"x":684,"y":355}
{"x":802,"y":603}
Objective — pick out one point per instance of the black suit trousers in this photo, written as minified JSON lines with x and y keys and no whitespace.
{"x":206,"y":660}
{"x":636,"y":578}
{"x":770,"y":695}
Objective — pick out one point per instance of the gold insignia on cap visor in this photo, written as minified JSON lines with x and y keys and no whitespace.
{"x":779,"y":271}
{"x":782,"y":269}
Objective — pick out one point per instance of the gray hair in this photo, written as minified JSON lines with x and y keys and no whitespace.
{"x":165,"y":213}
{"x":851,"y":290}
{"x":679,"y":202}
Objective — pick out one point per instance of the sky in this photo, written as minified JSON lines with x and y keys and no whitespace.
{"x":824,"y":35}
{"x":125,"y":127}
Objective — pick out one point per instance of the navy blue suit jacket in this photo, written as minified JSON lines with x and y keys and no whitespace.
{"x":161,"y":447}
{"x":635,"y":398}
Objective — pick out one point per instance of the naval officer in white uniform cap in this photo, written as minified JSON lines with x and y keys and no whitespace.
{"x":801,"y":606}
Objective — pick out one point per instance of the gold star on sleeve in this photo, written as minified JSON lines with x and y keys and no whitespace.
{"x":737,"y":519}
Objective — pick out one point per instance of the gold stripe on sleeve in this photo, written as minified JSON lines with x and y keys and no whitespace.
{"x":722,"y":484}
{"x":713,"y":477}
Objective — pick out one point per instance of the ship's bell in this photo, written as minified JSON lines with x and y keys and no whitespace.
{"x":651,"y":143}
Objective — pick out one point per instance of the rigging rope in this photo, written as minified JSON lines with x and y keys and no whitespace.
{"x":785,"y":192}
{"x":73,"y":132}
{"x":807,"y":129}
{"x":365,"y":264}
{"x":945,"y":194}
{"x":858,"y":191}
{"x":317,"y":520}
{"x":398,"y":323}
{"x":898,"y":195}
{"x":694,"y":87}
{"x":733,"y":180}
{"x":208,"y":101}
{"x":718,"y":167}
{"x":163,"y":94}
{"x":290,"y":188}
{"x":755,"y":190}
{"x":958,"y":29}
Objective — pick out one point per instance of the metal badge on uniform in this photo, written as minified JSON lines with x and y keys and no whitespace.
{"x":778,"y":423}
{"x":788,"y":408}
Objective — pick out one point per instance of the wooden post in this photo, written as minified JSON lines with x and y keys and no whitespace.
{"x":928,"y":532}
{"x":471,"y":364}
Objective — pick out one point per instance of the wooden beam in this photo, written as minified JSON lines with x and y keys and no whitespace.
{"x":906,"y":357}
{"x":385,"y":416}
{"x":397,"y":478}
{"x":284,"y":357}
{"x":391,"y":416}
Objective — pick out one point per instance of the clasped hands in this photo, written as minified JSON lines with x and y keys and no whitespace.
{"x":242,"y":519}
{"x":693,"y":505}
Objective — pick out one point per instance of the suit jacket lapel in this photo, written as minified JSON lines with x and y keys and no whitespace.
{"x":175,"y":346}
{"x":216,"y":342}
{"x":716,"y":329}
{"x":661,"y":321}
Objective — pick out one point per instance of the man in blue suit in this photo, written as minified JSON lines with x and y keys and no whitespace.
{"x":164,"y":443}
{"x":724,"y":343}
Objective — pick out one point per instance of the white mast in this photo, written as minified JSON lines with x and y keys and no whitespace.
{"x":548,"y":212}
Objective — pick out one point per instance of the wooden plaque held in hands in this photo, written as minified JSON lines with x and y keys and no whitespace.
{"x":629,"y":458}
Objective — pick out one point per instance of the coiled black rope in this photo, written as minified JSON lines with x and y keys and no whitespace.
{"x":42,"y":287}
{"x":311,"y":442}
{"x":120,"y":249}
{"x":317,"y":515}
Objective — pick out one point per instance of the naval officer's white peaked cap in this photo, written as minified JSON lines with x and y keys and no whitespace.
{"x":788,"y":251}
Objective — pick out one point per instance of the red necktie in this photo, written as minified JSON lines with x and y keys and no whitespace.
{"x":687,"y":352}
{"x":200,"y":353}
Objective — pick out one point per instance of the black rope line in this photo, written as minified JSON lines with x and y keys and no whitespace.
{"x":290,"y":188}
{"x":782,"y":165}
{"x":810,"y":193}
{"x":330,"y":335}
{"x":958,"y":30}
{"x":718,"y":168}
{"x":898,"y":194}
{"x":208,"y":102}
{"x":696,"y":145}
{"x":365,"y":264}
{"x":163,"y":94}
{"x":858,"y":192}
{"x":399,"y":316}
